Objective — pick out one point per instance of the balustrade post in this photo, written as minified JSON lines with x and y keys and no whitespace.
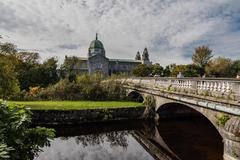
{"x":194,"y":85}
{"x":236,"y":90}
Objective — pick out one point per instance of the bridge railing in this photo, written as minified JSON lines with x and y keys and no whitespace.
{"x":216,"y":87}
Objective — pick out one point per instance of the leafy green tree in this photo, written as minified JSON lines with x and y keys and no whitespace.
{"x":31,"y":73}
{"x":235,"y":68}
{"x":49,"y":72}
{"x":17,"y":139}
{"x":69,"y":66}
{"x":201,"y":57}
{"x":157,"y":69}
{"x":167,"y":72}
{"x":8,"y":80}
{"x":219,"y":67}
{"x":188,"y":70}
{"x":141,"y":70}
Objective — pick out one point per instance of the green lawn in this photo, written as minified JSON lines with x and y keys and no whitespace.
{"x":74,"y":105}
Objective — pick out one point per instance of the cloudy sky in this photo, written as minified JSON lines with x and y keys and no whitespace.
{"x":170,"y":29}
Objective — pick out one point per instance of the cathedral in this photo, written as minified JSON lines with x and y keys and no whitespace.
{"x":98,"y":62}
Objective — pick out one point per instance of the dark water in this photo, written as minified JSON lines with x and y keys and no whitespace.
{"x":186,"y":139}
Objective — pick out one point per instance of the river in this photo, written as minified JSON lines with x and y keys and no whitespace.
{"x":186,"y":139}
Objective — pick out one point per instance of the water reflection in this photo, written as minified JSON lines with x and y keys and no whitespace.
{"x":96,"y":147}
{"x":135,"y":140}
{"x":113,"y":138}
{"x":105,"y":141}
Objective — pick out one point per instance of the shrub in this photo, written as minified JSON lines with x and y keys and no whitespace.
{"x":221,"y":120}
{"x":17,"y":139}
{"x":85,"y":87}
{"x":150,"y":104}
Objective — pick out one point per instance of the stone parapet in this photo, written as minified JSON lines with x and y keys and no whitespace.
{"x":224,"y":88}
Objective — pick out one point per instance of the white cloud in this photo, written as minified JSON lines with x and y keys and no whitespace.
{"x":167,"y":27}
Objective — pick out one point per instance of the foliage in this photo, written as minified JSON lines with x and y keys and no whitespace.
{"x":201,"y":57}
{"x":157,"y":69}
{"x":138,"y":56}
{"x":85,"y":87}
{"x":221,"y":120}
{"x":17,"y":140}
{"x":235,"y":68}
{"x":113,"y":90}
{"x":141,"y":70}
{"x":167,"y":72}
{"x":8,"y":81}
{"x":28,"y":57}
{"x":75,"y":105}
{"x":31,"y":73}
{"x":188,"y":70}
{"x":219,"y":67}
{"x":150,"y":104}
{"x":69,"y":66}
{"x":7,"y":49}
{"x":33,"y":91}
{"x":27,"y":69}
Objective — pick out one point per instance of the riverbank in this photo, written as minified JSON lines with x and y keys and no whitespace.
{"x":75,"y":105}
{"x":73,"y":117}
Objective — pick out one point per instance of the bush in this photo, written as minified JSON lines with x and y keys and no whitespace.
{"x":222,"y":120}
{"x":150,"y":104}
{"x":84,"y":87}
{"x":17,"y":139}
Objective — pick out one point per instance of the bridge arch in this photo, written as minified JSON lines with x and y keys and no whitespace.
{"x":189,"y":127}
{"x":135,"y":96}
{"x":210,"y":115}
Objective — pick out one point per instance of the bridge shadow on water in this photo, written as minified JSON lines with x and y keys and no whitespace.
{"x":189,"y":134}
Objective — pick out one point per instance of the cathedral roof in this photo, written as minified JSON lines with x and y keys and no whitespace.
{"x":96,"y":44}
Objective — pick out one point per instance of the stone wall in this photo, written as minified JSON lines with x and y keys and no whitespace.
{"x":60,"y":117}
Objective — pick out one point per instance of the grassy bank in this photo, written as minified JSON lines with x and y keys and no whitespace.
{"x":74,"y":105}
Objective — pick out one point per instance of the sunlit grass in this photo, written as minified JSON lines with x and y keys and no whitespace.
{"x":74,"y":105}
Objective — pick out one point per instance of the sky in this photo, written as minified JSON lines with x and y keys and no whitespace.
{"x":170,"y":29}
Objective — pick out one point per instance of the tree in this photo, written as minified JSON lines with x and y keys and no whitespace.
{"x":201,"y":57}
{"x":69,"y":66}
{"x":219,"y":67}
{"x":8,"y":80}
{"x":141,"y":70}
{"x":49,"y":72}
{"x":31,"y":73}
{"x":138,"y":56}
{"x":235,"y":68}
{"x":188,"y":70}
{"x":167,"y":72}
{"x":8,"y":48}
{"x":157,"y":69}
{"x":28,"y":57}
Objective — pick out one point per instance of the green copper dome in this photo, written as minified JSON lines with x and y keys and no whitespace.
{"x":96,"y":44}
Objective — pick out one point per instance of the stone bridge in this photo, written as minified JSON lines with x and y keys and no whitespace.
{"x":216,"y":99}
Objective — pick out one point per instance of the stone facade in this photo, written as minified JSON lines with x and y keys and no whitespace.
{"x":98,"y":62}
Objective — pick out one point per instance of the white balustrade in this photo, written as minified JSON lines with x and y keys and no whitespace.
{"x":220,"y":86}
